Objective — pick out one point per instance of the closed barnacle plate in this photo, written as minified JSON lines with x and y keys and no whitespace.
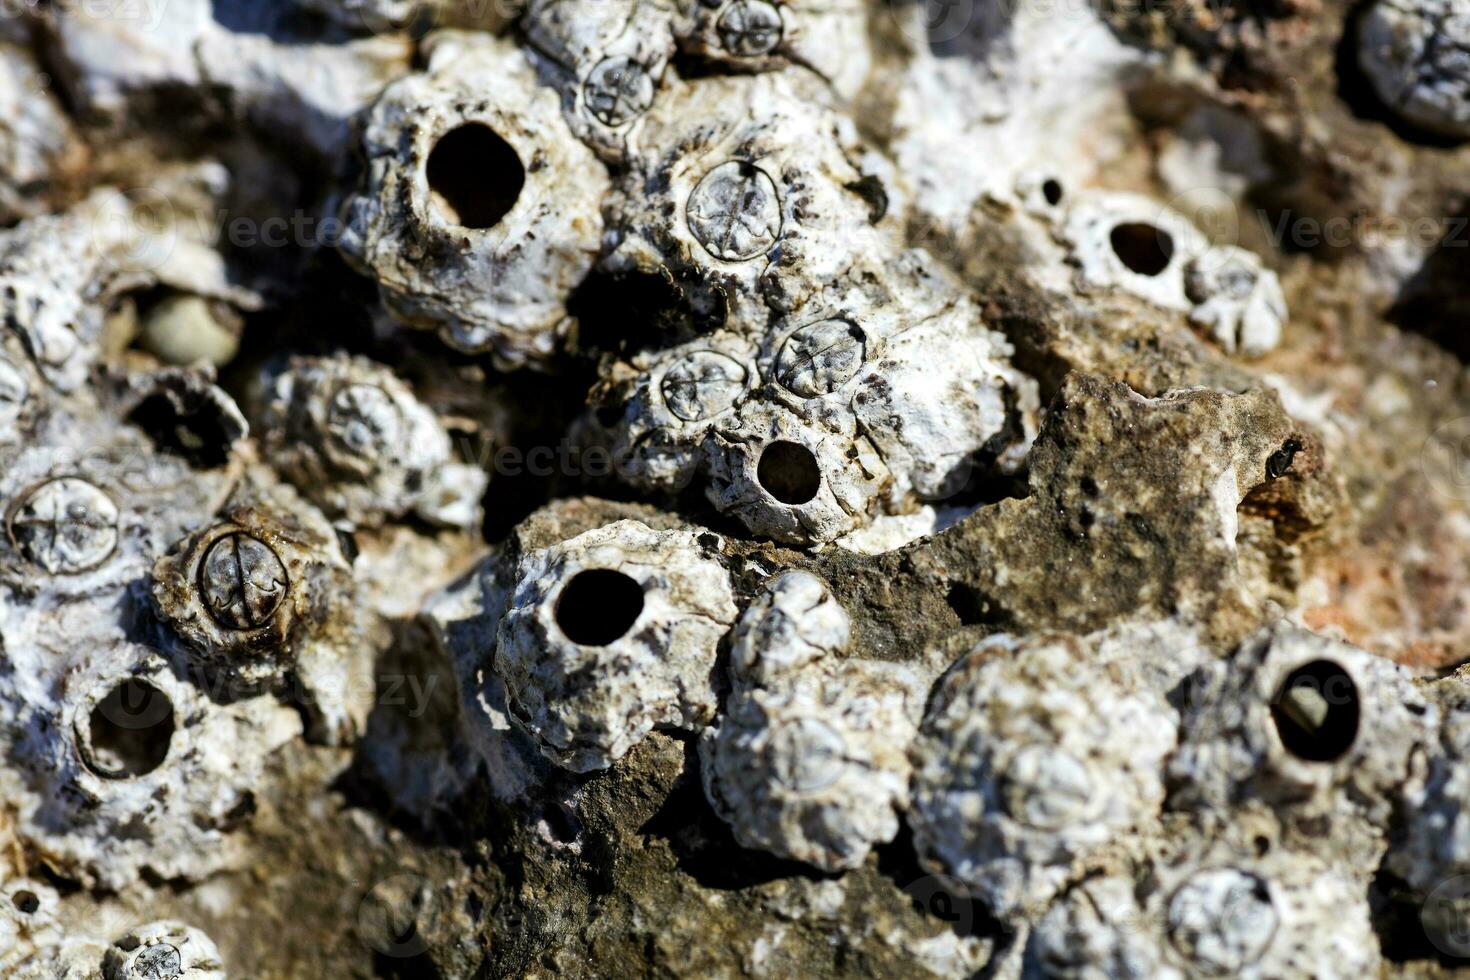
{"x":352,"y":436}
{"x":610,"y":59}
{"x":809,"y":759}
{"x":264,"y":598}
{"x":679,"y":395}
{"x":163,"y":951}
{"x":1209,"y":910}
{"x":1027,"y":768}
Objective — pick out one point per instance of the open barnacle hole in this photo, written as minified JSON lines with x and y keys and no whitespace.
{"x":1143,"y":248}
{"x":1316,"y":712}
{"x":25,"y":901}
{"x":474,"y":176}
{"x":128,"y":732}
{"x":599,"y":606}
{"x":789,"y":472}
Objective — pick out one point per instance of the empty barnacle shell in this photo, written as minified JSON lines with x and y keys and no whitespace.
{"x":28,"y":920}
{"x":1132,"y":243}
{"x":480,"y":210}
{"x":789,"y":479}
{"x":1416,"y":54}
{"x":187,"y":415}
{"x":609,"y":635}
{"x":163,"y":951}
{"x":1328,"y":734}
{"x":1237,"y":299}
{"x":350,"y":435}
{"x":1027,"y":768}
{"x":121,"y":766}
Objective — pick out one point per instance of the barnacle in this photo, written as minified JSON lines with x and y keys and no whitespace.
{"x":1026,"y":770}
{"x":808,"y":760}
{"x":610,"y":634}
{"x":352,"y":437}
{"x":733,"y":488}
{"x":1417,"y":55}
{"x":478,"y":215}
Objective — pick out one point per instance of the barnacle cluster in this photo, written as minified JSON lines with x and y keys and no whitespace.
{"x":733,"y":488}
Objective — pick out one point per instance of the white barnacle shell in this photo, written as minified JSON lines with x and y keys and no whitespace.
{"x":163,"y":949}
{"x":790,"y":479}
{"x":350,"y":435}
{"x":1328,"y":734}
{"x":1209,"y":910}
{"x":264,"y":598}
{"x":679,"y":395}
{"x":57,"y":273}
{"x":813,"y":766}
{"x":480,"y":210}
{"x":830,"y":39}
{"x":1033,"y":758}
{"x":1132,"y":243}
{"x":809,"y":758}
{"x":941,"y":393}
{"x":1433,"y":847}
{"x":793,"y":623}
{"x":610,"y":635}
{"x":69,"y":959}
{"x":609,"y":58}
{"x":28,"y":919}
{"x":1416,"y":53}
{"x":1237,"y":299}
{"x":121,"y":766}
{"x":743,"y":184}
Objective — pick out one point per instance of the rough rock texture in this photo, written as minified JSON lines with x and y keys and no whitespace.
{"x":598,"y":488}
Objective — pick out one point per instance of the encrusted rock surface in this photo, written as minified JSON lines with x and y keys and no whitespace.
{"x":599,"y":488}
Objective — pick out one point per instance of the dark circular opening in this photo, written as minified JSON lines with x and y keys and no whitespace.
{"x":131,"y":730}
{"x":27,"y":902}
{"x":788,"y":471}
{"x":598,"y":606}
{"x":474,"y":176}
{"x":1316,"y":712}
{"x":1052,"y":191}
{"x":1145,"y":249}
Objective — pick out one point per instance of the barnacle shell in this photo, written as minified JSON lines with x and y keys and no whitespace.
{"x":486,"y":261}
{"x":590,"y":672}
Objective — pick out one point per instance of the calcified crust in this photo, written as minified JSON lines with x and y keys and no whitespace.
{"x":733,"y":488}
